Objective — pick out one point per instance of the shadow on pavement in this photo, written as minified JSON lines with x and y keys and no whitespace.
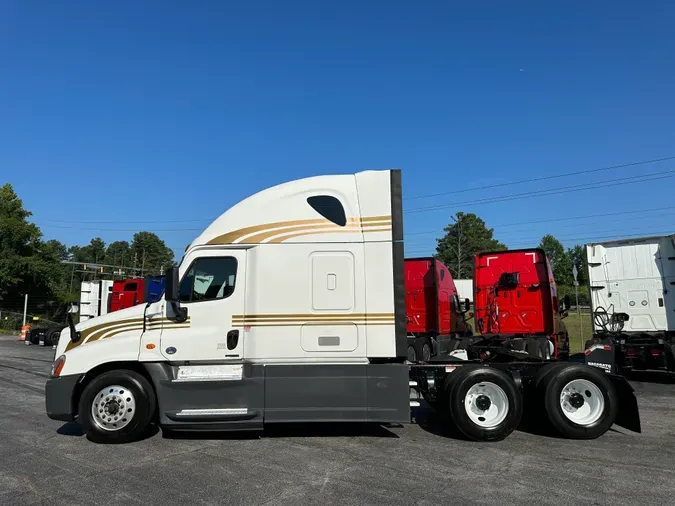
{"x":662,"y":377}
{"x":290,"y":430}
{"x":434,"y":423}
{"x":74,"y":429}
{"x":70,"y":429}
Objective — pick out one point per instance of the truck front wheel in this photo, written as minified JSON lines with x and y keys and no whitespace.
{"x":116,"y":407}
{"x":485,"y":403}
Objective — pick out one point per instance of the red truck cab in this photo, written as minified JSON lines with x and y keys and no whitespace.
{"x":127,"y":293}
{"x":515,"y":296}
{"x":433,"y":307}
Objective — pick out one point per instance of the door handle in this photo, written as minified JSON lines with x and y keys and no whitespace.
{"x":232,"y":339}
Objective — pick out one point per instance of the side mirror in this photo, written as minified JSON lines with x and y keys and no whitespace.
{"x":74,"y":334}
{"x":467,"y":305}
{"x":172,"y":295}
{"x":172,"y":285}
{"x":566,"y":302}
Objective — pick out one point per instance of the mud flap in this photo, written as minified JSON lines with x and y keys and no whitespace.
{"x":602,"y":355}
{"x":628,"y":416}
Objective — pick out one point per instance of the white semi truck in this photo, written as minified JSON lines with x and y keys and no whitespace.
{"x":95,"y":298}
{"x":290,"y":307}
{"x":632,"y":294}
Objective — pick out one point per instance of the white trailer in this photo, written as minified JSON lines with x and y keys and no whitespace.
{"x":632,"y":294}
{"x":95,"y":298}
{"x":465,"y":289}
{"x":290,"y":307}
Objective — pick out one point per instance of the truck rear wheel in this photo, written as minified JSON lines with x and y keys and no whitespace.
{"x":52,"y":337}
{"x":580,"y":402}
{"x":422,"y":348}
{"x":116,"y":407}
{"x":484,"y":403}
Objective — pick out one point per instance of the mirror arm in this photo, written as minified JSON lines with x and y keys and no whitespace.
{"x":75,"y":336}
{"x":180,"y":312}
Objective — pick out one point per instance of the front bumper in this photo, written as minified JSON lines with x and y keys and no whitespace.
{"x":59,"y":397}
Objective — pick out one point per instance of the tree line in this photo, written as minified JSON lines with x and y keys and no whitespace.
{"x":468,"y":235}
{"x":31,"y":265}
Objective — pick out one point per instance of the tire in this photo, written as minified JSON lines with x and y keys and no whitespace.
{"x":412,"y":356}
{"x":570,"y":384}
{"x":538,"y":348}
{"x":52,"y":338}
{"x":504,"y":405}
{"x":423,"y":349}
{"x":125,"y":387}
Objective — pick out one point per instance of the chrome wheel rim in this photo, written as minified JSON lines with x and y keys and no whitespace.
{"x":113,"y":408}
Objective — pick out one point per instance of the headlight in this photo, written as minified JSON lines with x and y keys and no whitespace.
{"x":57,"y":366}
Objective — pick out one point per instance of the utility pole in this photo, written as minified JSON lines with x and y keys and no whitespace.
{"x":25,"y":308}
{"x":459,"y":246}
{"x":575,"y":273}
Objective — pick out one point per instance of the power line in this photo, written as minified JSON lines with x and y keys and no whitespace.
{"x":543,"y":178}
{"x":420,"y":248}
{"x":125,"y":229}
{"x":551,"y":191}
{"x":574,"y":237}
{"x":426,"y":232}
{"x":498,"y":185}
{"x":129,"y":222}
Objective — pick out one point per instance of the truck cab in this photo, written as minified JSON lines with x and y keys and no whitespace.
{"x":516,"y":299}
{"x":434,"y":309}
{"x":292,"y":302}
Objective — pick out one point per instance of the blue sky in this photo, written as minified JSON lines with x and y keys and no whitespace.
{"x":121,"y":112}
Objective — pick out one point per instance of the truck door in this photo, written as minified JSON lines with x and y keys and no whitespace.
{"x":212,"y":289}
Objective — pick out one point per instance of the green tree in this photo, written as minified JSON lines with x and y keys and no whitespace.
{"x":464,"y":238}
{"x":19,"y":240}
{"x":94,"y":252}
{"x":577,"y":257}
{"x":118,"y":253}
{"x":558,"y":258}
{"x":149,"y":253}
{"x":28,"y":266}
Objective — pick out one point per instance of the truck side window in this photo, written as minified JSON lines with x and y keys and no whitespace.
{"x":329,"y":207}
{"x":209,"y":278}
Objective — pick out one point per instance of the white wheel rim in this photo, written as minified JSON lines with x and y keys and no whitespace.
{"x":486,"y":404}
{"x":113,"y":408}
{"x":582,"y":402}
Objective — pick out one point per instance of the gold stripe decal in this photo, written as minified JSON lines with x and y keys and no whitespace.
{"x":113,"y":328}
{"x":289,"y":320}
{"x":284,"y":230}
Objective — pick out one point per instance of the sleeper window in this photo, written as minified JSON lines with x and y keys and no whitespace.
{"x":209,"y":278}
{"x":329,"y":207}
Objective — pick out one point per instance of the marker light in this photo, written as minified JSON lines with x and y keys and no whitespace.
{"x":57,"y":366}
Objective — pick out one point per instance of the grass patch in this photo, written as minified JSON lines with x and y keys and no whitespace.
{"x":579,"y":329}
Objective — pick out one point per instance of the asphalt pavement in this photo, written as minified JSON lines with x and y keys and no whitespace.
{"x":43,"y":461}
